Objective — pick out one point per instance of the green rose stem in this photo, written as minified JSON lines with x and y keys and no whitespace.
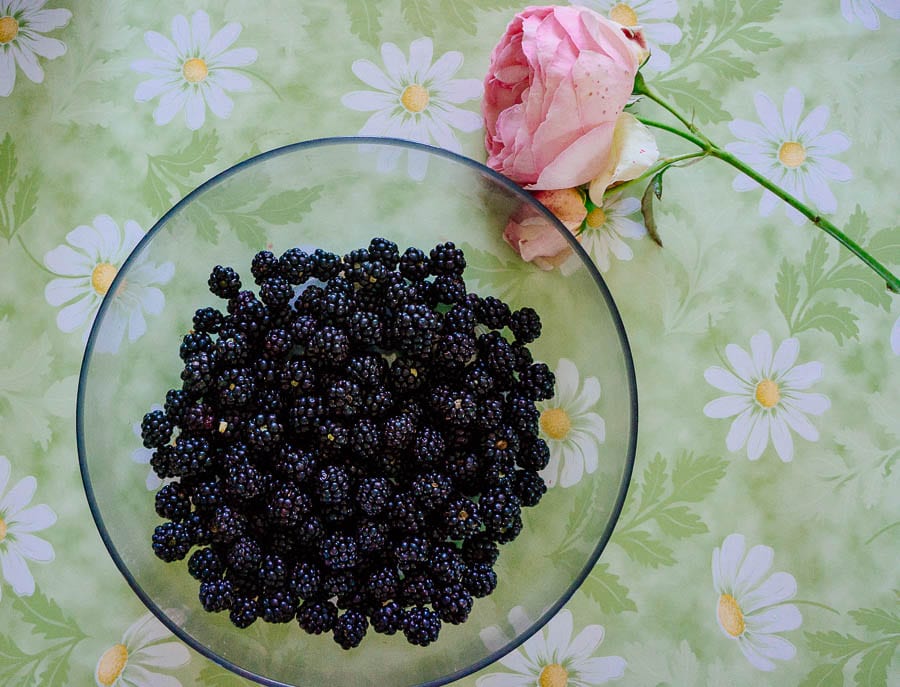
{"x":710,"y":149}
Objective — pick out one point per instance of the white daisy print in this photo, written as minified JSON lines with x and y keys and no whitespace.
{"x":142,"y":455}
{"x":22,"y":25}
{"x":751,"y":609}
{"x":552,"y":658}
{"x":866,"y":11}
{"x":414,"y":99}
{"x":193,"y":71}
{"x":605,"y":228}
{"x":87,"y":265}
{"x":145,"y":647}
{"x":652,"y":16}
{"x":766,"y":393}
{"x":794,"y":153}
{"x":572,"y":430}
{"x":17,"y":522}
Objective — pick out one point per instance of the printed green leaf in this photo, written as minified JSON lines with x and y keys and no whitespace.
{"x":759,"y":11}
{"x":692,"y":97}
{"x":826,"y":675}
{"x":47,"y":618}
{"x":877,"y":620}
{"x":834,"y":644}
{"x":203,"y":221}
{"x":419,"y":15}
{"x":885,"y":245}
{"x":25,"y":200}
{"x":814,"y":262}
{"x":54,"y":672}
{"x":156,"y":193}
{"x":873,"y":667}
{"x":193,"y":158}
{"x":460,"y":14}
{"x":787,"y":289}
{"x":12,"y":658}
{"x":365,"y":20}
{"x":288,"y":206}
{"x":680,"y":522}
{"x":754,"y":39}
{"x":8,"y":164}
{"x":725,"y":14}
{"x":860,"y":280}
{"x":728,"y":65}
{"x":837,"y":320}
{"x":213,"y":676}
{"x":607,"y":591}
{"x":644,"y":549}
{"x":652,"y":486}
{"x":247,"y":230}
{"x":695,"y":477}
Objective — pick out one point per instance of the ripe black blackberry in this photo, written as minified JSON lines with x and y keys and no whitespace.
{"x":206,"y":496}
{"x":432,"y":489}
{"x":172,"y":502}
{"x":298,"y":376}
{"x":377,"y":402}
{"x":416,"y":588}
{"x":233,"y":349}
{"x":325,"y":265}
{"x":176,"y":401}
{"x":382,"y":583}
{"x":521,"y":414}
{"x":305,"y":581}
{"x":277,"y":607}
{"x":373,"y":494}
{"x":454,"y":350}
{"x":156,"y":429}
{"x":190,"y":456}
{"x":304,"y":412}
{"x":414,"y":328}
{"x":198,"y":418}
{"x":479,"y":579}
{"x":446,"y":290}
{"x":421,"y":625}
{"x":224,"y":282}
{"x":499,"y":358}
{"x":350,"y":628}
{"x":317,"y":617}
{"x":498,"y":508}
{"x":244,"y":611}
{"x":510,"y":531}
{"x":405,"y":515}
{"x":445,"y":564}
{"x":332,"y":484}
{"x":216,"y":595}
{"x":295,"y":265}
{"x":276,"y":292}
{"x":263,"y":432}
{"x":454,"y":406}
{"x":387,"y":619}
{"x":171,"y":541}
{"x":207,"y":320}
{"x":529,"y":487}
{"x":446,"y":258}
{"x":338,"y":552}
{"x":235,"y":386}
{"x":414,"y":264}
{"x":534,"y":454}
{"x":244,"y":557}
{"x":522,"y":356}
{"x":295,"y":464}
{"x":537,"y":382}
{"x":490,"y":413}
{"x":205,"y":565}
{"x":384,"y":251}
{"x":368,"y":369}
{"x":342,"y":397}
{"x":272,"y":572}
{"x":525,"y":324}
{"x":198,"y":532}
{"x":459,"y":518}
{"x":226,"y":525}
{"x":286,"y":505}
{"x":407,"y":375}
{"x":263,"y":265}
{"x":492,"y":312}
{"x":428,"y":446}
{"x":365,"y":438}
{"x":464,"y":468}
{"x":453,"y":604}
{"x":198,"y":373}
{"x":194,"y":343}
{"x":398,"y":431}
{"x":410,"y":552}
{"x":371,"y":536}
{"x":364,"y":328}
{"x":328,"y":345}
{"x":480,"y":548}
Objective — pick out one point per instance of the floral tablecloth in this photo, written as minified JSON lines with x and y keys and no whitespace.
{"x":759,"y":541}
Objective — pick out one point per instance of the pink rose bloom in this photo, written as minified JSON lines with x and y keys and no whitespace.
{"x":537,"y":240}
{"x":558,"y":81}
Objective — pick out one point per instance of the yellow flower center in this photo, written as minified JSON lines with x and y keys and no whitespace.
{"x":596,"y":218}
{"x":102,"y":277}
{"x":767,"y":393}
{"x":553,"y":675}
{"x":624,"y":15}
{"x":556,"y":423}
{"x":9,"y":29}
{"x":2,"y":529}
{"x":730,"y":615}
{"x":414,"y":98}
{"x":194,"y":70}
{"x":111,"y":664}
{"x":791,"y":154}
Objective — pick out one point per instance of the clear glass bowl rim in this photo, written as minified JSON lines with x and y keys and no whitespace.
{"x":476,"y":166}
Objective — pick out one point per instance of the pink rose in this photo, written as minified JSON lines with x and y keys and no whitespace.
{"x":558,"y":81}
{"x":537,"y":240}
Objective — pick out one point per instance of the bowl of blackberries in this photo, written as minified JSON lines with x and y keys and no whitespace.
{"x":355,"y":429}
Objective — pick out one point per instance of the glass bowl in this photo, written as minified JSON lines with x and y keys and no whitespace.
{"x":337,"y":194}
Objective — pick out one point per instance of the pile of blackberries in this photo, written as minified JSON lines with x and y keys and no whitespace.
{"x":350,"y":446}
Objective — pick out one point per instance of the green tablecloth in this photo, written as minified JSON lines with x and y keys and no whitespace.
{"x":759,"y":541}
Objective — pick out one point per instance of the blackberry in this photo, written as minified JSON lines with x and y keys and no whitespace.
{"x":199,"y":418}
{"x":333,"y":437}
{"x":414,"y":328}
{"x":198,"y":532}
{"x":416,"y":589}
{"x":172,"y":502}
{"x":194,"y":343}
{"x":272,"y":572}
{"x":492,"y":312}
{"x":244,"y":556}
{"x":370,"y":272}
{"x":305,"y":581}
{"x":277,"y":343}
{"x":446,"y":289}
{"x":455,"y":350}
{"x":286,"y":506}
{"x":525,"y":324}
{"x":328,"y":344}
{"x":498,"y":507}
{"x":411,"y":552}
{"x":235,"y":387}
{"x":510,"y":531}
{"x":491,"y":413}
{"x":537,"y":382}
{"x":414,"y":264}
{"x":521,"y":414}
{"x":349,"y":629}
{"x":378,"y":402}
{"x":465,"y":469}
{"x":207,"y":496}
{"x":480,"y":548}
{"x":454,"y":406}
{"x":453,"y":604}
{"x":421,"y":625}
{"x":277,"y":607}
{"x":501,"y":445}
{"x":534,"y":453}
{"x":224,"y":282}
{"x":263,"y":432}
{"x":428,"y":446}
{"x":295,"y":464}
{"x":297,"y":376}
{"x":386,"y":620}
{"x":368,"y":369}
{"x":406,"y":375}
{"x":338,"y":552}
{"x":499,"y":358}
{"x":364,"y":328}
{"x":479,"y":579}
{"x":382,"y":583}
{"x":295,"y":266}
{"x":233,"y":349}
{"x":176,"y":401}
{"x":171,"y":541}
{"x":332,"y":484}
{"x":207,"y":320}
{"x":304,"y":412}
{"x":432,"y":489}
{"x":205,"y":565}
{"x":460,"y":318}
{"x":244,"y":611}
{"x":385,"y":252}
{"x":342,"y":398}
{"x":522,"y":356}
{"x":333,"y":307}
{"x":249,"y":315}
{"x":339,"y":583}
{"x":302,"y":329}
{"x":459,"y":518}
{"x":445,"y":563}
{"x":478,"y":379}
{"x":398,"y":432}
{"x":392,"y":465}
{"x":529,"y":487}
{"x":446,"y":258}
{"x":397,"y":292}
{"x":371,"y":537}
{"x":156,"y":429}
{"x":317,"y":617}
{"x":216,"y":596}
{"x":276,"y":292}
{"x":190,"y":456}
{"x":405,"y":514}
{"x":263,"y":265}
{"x":197,"y":375}
{"x":226,"y":525}
{"x":365,"y":438}
{"x":308,"y":533}
{"x":373,"y":494}
{"x":325,"y":265}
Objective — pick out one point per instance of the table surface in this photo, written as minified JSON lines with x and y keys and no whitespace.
{"x":759,"y":541}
